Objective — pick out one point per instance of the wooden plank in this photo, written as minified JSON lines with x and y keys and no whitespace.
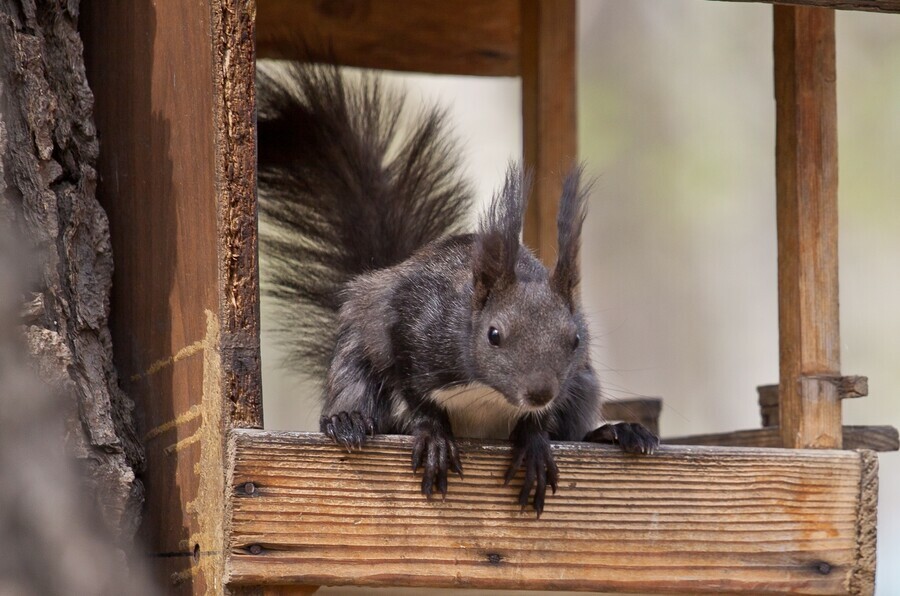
{"x":886,"y":6}
{"x":876,"y":438}
{"x":464,"y":37}
{"x":549,"y":125}
{"x":174,"y":108}
{"x":806,"y":183}
{"x":689,"y":519}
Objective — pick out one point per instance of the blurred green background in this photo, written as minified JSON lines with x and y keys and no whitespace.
{"x":676,"y":118}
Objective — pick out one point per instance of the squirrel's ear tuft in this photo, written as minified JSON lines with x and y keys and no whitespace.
{"x":496,"y":248}
{"x":572,"y":210}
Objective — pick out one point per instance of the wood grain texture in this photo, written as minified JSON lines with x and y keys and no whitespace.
{"x":886,"y":6}
{"x":849,"y":387}
{"x":689,"y":519}
{"x":875,"y":438}
{"x":806,"y":183}
{"x":235,"y":163}
{"x":464,"y":37}
{"x":174,"y":110}
{"x":549,"y":123}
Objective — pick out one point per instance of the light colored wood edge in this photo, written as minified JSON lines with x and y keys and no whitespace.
{"x":862,"y":580}
{"x":463,"y":37}
{"x":301,"y":477}
{"x":876,"y":438}
{"x":886,"y":6}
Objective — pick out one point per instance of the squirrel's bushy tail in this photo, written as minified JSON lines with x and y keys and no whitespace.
{"x":346,"y":186}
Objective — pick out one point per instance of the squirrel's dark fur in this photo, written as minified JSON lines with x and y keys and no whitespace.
{"x":404,"y":317}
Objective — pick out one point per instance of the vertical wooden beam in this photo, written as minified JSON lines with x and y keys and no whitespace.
{"x":549,"y":128}
{"x":173,"y":83}
{"x":806,"y":179}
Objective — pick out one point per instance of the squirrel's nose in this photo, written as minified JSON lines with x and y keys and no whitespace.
{"x":539,"y":397}
{"x":540,"y":391}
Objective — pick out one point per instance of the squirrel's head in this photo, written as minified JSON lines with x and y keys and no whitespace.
{"x":528,"y":331}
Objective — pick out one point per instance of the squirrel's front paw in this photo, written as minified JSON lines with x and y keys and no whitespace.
{"x":630,"y":436}
{"x":532,"y":451}
{"x":347,"y":429}
{"x":435,"y":450}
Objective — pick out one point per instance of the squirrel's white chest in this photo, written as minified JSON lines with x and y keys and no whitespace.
{"x":478,"y":412}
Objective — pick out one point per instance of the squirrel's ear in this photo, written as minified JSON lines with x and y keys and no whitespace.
{"x":572,"y":210}
{"x":496,"y":249}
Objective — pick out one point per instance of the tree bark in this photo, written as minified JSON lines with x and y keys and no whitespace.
{"x":48,"y":150}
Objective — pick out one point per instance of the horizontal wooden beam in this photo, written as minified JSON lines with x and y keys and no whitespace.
{"x":687,"y":520}
{"x":465,"y":37}
{"x":866,"y":5}
{"x":876,"y":438}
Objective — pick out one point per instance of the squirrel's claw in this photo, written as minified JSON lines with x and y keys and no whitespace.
{"x":435,"y":450}
{"x":533,"y":453}
{"x":348,"y":429}
{"x":630,"y":436}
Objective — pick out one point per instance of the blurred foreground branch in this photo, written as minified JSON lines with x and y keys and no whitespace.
{"x":53,"y":319}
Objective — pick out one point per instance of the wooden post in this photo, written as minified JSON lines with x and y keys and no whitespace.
{"x":173,"y":83}
{"x":806,"y":179}
{"x":549,"y":129}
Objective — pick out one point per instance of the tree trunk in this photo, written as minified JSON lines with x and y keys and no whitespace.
{"x":48,"y":149}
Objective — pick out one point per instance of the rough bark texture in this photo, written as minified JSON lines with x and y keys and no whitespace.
{"x":48,"y":149}
{"x":54,"y":542}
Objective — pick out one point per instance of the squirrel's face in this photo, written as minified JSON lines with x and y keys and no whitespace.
{"x":528,"y":343}
{"x":529,"y":336}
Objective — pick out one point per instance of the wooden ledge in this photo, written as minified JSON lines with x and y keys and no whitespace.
{"x":868,"y":5}
{"x":688,"y":519}
{"x":876,"y":438}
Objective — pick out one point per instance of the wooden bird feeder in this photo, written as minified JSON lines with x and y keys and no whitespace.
{"x":231,"y":507}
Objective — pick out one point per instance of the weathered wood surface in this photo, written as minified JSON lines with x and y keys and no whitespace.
{"x":549,"y":124}
{"x":689,"y":519}
{"x":174,"y":93}
{"x":867,"y":5}
{"x":48,"y":156}
{"x":466,"y":37}
{"x":806,"y":183}
{"x":876,"y":438}
{"x":849,"y":387}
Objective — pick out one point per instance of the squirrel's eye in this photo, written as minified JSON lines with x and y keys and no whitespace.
{"x":494,"y":336}
{"x":576,"y":342}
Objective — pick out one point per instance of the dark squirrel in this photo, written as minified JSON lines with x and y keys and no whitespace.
{"x":416,"y":327}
